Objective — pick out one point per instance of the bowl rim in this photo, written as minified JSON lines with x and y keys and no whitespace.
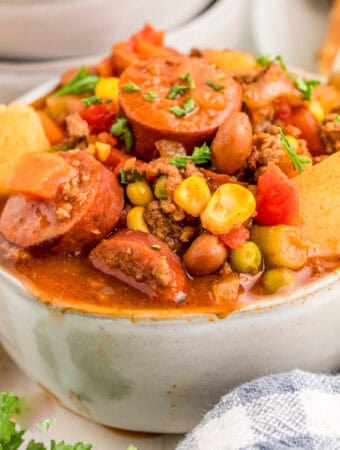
{"x":268,"y":304}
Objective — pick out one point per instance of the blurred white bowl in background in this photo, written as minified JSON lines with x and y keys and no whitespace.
{"x":47,"y":29}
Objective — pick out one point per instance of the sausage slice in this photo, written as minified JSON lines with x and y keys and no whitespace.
{"x":144,"y":262}
{"x":152,"y":120}
{"x":88,"y":207}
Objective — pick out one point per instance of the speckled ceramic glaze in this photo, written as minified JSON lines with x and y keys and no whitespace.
{"x":161,"y":376}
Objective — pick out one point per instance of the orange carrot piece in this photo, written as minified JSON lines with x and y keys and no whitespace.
{"x":52,"y":130}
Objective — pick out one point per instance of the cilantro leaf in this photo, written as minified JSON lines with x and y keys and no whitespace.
{"x":177,"y":90}
{"x":200,"y":155}
{"x":45,"y":424}
{"x":150,"y":96}
{"x":215,"y":87}
{"x":32,"y":445}
{"x":131,"y":87}
{"x":306,"y":86}
{"x":265,"y":61}
{"x":180,"y":111}
{"x":131,"y":176}
{"x":81,"y":83}
{"x":187,"y":78}
{"x":62,"y":446}
{"x":94,"y":100}
{"x":121,"y":129}
{"x":298,"y":161}
{"x":10,"y":438}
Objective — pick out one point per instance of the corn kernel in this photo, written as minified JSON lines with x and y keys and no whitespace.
{"x":294,"y":143}
{"x":107,"y":87}
{"x":192,"y":195}
{"x":135,"y":219}
{"x":230,"y":205}
{"x":317,"y":110}
{"x":91,"y":149}
{"x":139,"y":193}
{"x":103,"y":151}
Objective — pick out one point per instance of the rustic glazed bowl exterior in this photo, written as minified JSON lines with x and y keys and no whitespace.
{"x":163,"y":375}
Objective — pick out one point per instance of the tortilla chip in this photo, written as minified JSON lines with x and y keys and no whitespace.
{"x":319,"y":191}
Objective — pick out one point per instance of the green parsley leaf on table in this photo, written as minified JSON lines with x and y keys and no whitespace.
{"x":150,"y":96}
{"x":298,"y":161}
{"x":131,"y":87}
{"x":200,"y":155}
{"x":45,"y":424}
{"x":215,"y":87}
{"x":81,"y":83}
{"x":121,"y":129}
{"x":187,"y":107}
{"x":306,"y":86}
{"x":94,"y":100}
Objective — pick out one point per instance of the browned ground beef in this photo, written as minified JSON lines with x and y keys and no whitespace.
{"x":267,"y":148}
{"x":169,"y":223}
{"x":330,"y":134}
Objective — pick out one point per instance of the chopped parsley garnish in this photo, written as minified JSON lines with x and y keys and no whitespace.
{"x":94,"y":100}
{"x":215,"y":87}
{"x":81,"y":83}
{"x":337,"y":118}
{"x":150,"y":96}
{"x":131,"y":176}
{"x":306,"y":86}
{"x":131,"y":87}
{"x":121,"y":129}
{"x":187,"y":78}
{"x":45,"y":424}
{"x":298,"y":161}
{"x":180,"y":111}
{"x":177,"y":90}
{"x":200,"y":155}
{"x":265,"y":61}
{"x":156,"y":247}
{"x":12,"y":438}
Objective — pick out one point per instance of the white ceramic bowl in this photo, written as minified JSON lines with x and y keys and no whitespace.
{"x":161,"y":376}
{"x":47,"y":29}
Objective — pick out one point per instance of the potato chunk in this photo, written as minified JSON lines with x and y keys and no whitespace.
{"x":21,"y":132}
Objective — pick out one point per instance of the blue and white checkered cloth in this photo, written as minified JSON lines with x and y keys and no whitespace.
{"x":296,"y":410}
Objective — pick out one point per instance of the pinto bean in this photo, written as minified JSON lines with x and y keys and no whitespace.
{"x":205,"y":255}
{"x":232,"y":144}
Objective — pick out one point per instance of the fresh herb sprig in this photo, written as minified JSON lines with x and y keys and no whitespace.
{"x":187,"y":78}
{"x":81,"y":83}
{"x":265,"y":61}
{"x":200,"y":155}
{"x":214,"y":86}
{"x":177,"y":90}
{"x":121,"y":129}
{"x":131,"y":176}
{"x":93,"y":100}
{"x":151,"y":96}
{"x":187,"y":107}
{"x":131,"y":87}
{"x":298,"y":161}
{"x":306,"y":86}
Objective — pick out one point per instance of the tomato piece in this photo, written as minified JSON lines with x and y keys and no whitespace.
{"x":40,"y":175}
{"x":303,"y":119}
{"x":236,"y":237}
{"x":277,"y":201}
{"x":283,"y":110}
{"x":99,"y":117}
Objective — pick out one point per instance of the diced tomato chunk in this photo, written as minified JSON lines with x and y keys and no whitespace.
{"x":277,"y":201}
{"x":236,"y":237}
{"x":303,"y":119}
{"x":40,"y":175}
{"x":99,"y":116}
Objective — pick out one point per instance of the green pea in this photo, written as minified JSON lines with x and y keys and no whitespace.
{"x":247,"y":259}
{"x":160,"y":188}
{"x":274,"y":279}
